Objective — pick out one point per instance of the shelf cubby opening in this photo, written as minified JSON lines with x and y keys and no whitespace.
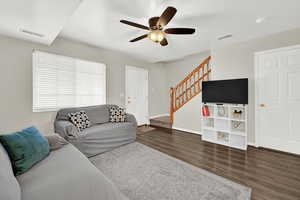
{"x":237,"y":112}
{"x":208,"y":122}
{"x":210,"y":110}
{"x":221,"y":111}
{"x":222,"y":137}
{"x":209,"y":135}
{"x":238,"y":126}
{"x":238,"y":141}
{"x":221,"y":124}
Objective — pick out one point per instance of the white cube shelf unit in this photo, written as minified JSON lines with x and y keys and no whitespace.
{"x":226,"y":125}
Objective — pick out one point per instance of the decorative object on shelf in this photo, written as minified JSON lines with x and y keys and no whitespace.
{"x":205,"y":111}
{"x":237,"y":113}
{"x":221,"y":111}
{"x":223,"y":136}
{"x":236,"y":124}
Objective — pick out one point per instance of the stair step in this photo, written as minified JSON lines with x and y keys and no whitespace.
{"x":163,"y":122}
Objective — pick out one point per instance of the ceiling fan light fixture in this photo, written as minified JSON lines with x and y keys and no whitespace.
{"x":156,"y":35}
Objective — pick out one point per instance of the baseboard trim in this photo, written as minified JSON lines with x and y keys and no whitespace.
{"x":160,"y":115}
{"x":252,"y":144}
{"x":199,"y":133}
{"x":187,"y":130}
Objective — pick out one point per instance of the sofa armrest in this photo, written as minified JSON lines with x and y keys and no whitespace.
{"x":66,"y":129}
{"x":131,"y":118}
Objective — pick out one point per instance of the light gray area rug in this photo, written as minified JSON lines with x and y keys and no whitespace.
{"x":143,"y":173}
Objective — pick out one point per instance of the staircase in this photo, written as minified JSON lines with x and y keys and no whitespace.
{"x":184,"y":91}
{"x":162,"y":122}
{"x":189,"y":87}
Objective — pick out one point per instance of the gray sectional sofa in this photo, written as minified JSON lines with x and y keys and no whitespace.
{"x":101,"y":136}
{"x":64,"y":175}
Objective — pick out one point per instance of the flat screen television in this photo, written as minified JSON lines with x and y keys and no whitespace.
{"x":233,"y":91}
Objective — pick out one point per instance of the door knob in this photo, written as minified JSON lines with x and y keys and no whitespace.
{"x":262,"y":105}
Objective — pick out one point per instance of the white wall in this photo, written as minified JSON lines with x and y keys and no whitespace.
{"x":16,"y":80}
{"x":158,"y":89}
{"x":187,"y":117}
{"x":237,"y":61}
{"x":228,"y":62}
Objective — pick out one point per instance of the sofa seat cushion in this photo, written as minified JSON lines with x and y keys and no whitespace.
{"x":9,"y":186}
{"x":105,"y":137}
{"x":67,"y":174}
{"x":107,"y":130}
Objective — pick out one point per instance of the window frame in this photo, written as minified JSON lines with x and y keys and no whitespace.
{"x":35,"y":63}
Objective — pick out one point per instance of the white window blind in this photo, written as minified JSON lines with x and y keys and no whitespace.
{"x":60,"y":82}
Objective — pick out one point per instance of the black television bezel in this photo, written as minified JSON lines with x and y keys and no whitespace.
{"x":220,"y":102}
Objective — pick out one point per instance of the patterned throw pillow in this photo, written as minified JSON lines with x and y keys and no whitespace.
{"x":80,"y":120}
{"x":116,"y":114}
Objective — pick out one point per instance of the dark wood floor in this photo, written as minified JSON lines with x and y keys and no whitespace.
{"x":271,"y":175}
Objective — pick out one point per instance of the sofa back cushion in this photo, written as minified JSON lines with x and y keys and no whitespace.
{"x":96,"y":114}
{"x":9,"y":186}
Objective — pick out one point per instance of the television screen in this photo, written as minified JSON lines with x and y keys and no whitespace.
{"x":225,"y":91}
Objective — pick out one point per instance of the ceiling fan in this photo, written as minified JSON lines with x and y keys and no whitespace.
{"x":156,"y":27}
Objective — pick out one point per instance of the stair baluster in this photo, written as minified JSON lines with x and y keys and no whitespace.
{"x":189,"y":87}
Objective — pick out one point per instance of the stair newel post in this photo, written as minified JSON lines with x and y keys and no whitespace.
{"x":171,"y":104}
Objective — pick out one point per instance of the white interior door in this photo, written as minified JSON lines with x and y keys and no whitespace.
{"x":137,"y":94}
{"x":278,"y":99}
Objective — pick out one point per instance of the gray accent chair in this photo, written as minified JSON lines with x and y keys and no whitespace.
{"x":102,"y":136}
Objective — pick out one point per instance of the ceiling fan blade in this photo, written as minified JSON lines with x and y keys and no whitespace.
{"x":153,"y":21}
{"x":180,"y":31}
{"x":139,"y":38}
{"x":166,"y":16}
{"x":164,"y":42}
{"x":134,"y":24}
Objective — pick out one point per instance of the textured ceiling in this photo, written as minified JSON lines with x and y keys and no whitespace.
{"x":97,"y":22}
{"x":35,"y":20}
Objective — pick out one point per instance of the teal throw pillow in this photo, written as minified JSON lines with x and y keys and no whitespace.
{"x":25,"y":148}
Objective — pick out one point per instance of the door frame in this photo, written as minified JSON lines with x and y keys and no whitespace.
{"x":127,"y":67}
{"x":256,"y":88}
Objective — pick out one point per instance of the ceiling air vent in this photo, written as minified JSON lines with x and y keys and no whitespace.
{"x":32,"y":33}
{"x":225,"y":37}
